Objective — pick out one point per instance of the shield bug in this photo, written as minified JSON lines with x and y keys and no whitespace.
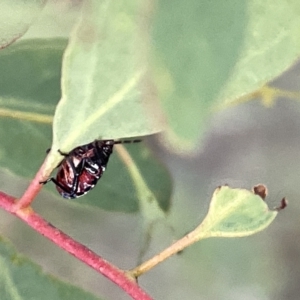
{"x":81,"y":169}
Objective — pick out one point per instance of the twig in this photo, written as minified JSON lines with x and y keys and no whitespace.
{"x":31,"y":192}
{"x":176,"y":247}
{"x":32,"y":219}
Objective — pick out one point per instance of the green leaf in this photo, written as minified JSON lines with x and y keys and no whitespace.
{"x":116,"y":191}
{"x":15,"y":18}
{"x":102,"y":73}
{"x":29,"y":92}
{"x":23,"y":280}
{"x":208,"y":52}
{"x":271,"y":46}
{"x":235,"y":213}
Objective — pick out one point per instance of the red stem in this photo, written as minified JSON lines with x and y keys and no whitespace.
{"x":33,"y":189}
{"x":76,"y":249}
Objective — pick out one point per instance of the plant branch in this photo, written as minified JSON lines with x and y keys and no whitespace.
{"x":148,"y":203}
{"x":32,"y":219}
{"x":33,"y":189}
{"x":176,"y":247}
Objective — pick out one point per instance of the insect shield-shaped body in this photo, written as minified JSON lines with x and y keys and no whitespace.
{"x":81,"y":169}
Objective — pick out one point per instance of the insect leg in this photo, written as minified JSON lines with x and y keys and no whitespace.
{"x":57,"y":184}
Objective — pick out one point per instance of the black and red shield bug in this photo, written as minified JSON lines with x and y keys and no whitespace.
{"x":81,"y":169}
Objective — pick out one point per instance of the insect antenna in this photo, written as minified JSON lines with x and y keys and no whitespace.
{"x":128,"y":141}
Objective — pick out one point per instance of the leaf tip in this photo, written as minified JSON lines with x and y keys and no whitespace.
{"x":218,"y":188}
{"x":260,"y":190}
{"x":283,"y":204}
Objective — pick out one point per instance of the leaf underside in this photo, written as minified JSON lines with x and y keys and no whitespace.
{"x":235,"y":213}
